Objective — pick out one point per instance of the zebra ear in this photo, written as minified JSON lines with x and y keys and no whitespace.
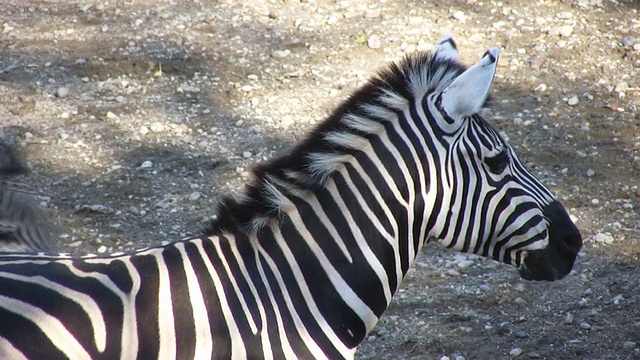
{"x":447,"y":48}
{"x":468,"y":92}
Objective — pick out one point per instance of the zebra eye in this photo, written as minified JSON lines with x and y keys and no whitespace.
{"x":498,"y":162}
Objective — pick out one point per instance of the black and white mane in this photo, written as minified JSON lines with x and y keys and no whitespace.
{"x":308,"y":165}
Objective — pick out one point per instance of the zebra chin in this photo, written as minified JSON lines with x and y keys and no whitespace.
{"x":556,"y":260}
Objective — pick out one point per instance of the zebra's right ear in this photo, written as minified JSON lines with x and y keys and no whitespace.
{"x":446,"y":48}
{"x":466,"y":95}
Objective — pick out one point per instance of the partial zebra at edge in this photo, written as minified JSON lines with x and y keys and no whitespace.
{"x":24,"y":225}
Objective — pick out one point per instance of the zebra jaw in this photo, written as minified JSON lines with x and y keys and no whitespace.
{"x":467,"y":94}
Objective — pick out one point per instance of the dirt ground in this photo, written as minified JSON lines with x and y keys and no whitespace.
{"x":136,"y":115}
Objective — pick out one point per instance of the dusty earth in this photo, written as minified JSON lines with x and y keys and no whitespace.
{"x":136,"y":115}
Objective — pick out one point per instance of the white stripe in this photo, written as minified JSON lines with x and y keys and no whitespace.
{"x":129,"y":316}
{"x":240,"y":262}
{"x":166,"y":324}
{"x":90,"y":307}
{"x":50,"y":326}
{"x":8,"y":351}
{"x":364,"y":247}
{"x":284,"y":340}
{"x":204,"y":344}
{"x":238,"y":350}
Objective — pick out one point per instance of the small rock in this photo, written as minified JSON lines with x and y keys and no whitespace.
{"x":65,"y":115}
{"x":239,"y":123}
{"x":194,"y":196}
{"x":62,"y":92}
{"x":280,"y":54}
{"x":465,"y":264}
{"x":554,"y":31}
{"x":587,"y":292}
{"x":540,"y":88}
{"x":564,"y":15}
{"x":585,"y":326}
{"x":568,"y":319}
{"x":573,"y":101}
{"x":156,"y":127}
{"x":286,"y":121}
{"x":590,"y":172}
{"x":617,"y":299}
{"x":143,"y":130}
{"x":247,"y":154}
{"x":111,"y":116}
{"x":621,"y":87}
{"x":521,"y":334}
{"x":515,"y":352}
{"x":373,"y":42}
{"x":119,"y":98}
{"x":102,"y":249}
{"x":629,"y":345}
{"x":460,"y":16}
{"x":603,"y":238}
{"x":146,"y":165}
{"x":628,"y":41}
{"x":460,"y":357}
{"x":566,"y":30}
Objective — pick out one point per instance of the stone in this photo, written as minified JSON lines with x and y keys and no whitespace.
{"x":373,"y":42}
{"x":62,"y":92}
{"x":573,"y":101}
{"x":515,"y":352}
{"x":603,"y":238}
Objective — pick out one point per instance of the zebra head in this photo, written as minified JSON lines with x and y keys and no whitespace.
{"x":496,"y":207}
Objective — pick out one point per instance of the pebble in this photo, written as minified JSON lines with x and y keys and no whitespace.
{"x":568,"y":319}
{"x":465,"y":264}
{"x":110,"y":115}
{"x":62,"y":92}
{"x":628,"y":41}
{"x":280,"y":54}
{"x":621,"y":87}
{"x":239,"y":123}
{"x":102,"y":249}
{"x":590,"y":172}
{"x":585,"y":326}
{"x":540,"y":88}
{"x":156,"y":127}
{"x":460,"y":16}
{"x":143,"y":130}
{"x":119,"y":98}
{"x":603,"y":238}
{"x":146,"y":165}
{"x":573,"y":101}
{"x":628,"y":345}
{"x":194,"y":196}
{"x":521,"y":334}
{"x":566,"y":30}
{"x":515,"y":352}
{"x":373,"y":42}
{"x":247,"y":154}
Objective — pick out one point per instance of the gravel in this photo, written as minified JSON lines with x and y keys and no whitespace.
{"x":203,"y":90}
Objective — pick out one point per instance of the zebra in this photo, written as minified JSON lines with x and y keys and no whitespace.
{"x":23,"y":224}
{"x":303,"y":264}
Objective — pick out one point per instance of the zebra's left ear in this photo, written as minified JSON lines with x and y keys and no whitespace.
{"x":468,"y":92}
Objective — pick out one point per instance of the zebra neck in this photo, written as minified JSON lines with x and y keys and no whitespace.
{"x":334,"y":259}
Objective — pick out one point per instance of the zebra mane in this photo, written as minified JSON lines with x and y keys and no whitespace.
{"x":306,"y":167}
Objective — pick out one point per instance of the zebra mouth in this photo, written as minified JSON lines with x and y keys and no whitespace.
{"x":556,"y":260}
